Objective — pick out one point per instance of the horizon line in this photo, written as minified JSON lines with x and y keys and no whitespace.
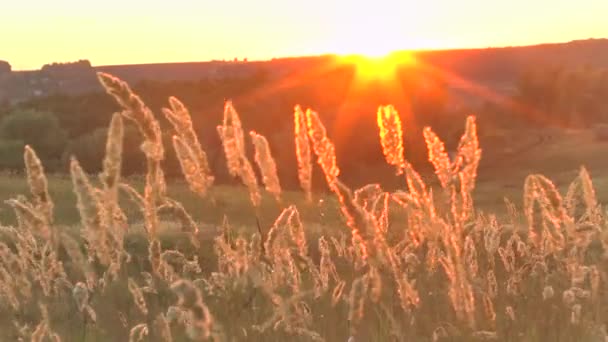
{"x":319,"y":55}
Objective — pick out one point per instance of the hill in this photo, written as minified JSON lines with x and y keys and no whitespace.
{"x":494,"y":68}
{"x":516,"y":93}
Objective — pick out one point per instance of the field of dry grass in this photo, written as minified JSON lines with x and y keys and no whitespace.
{"x":105,"y":258}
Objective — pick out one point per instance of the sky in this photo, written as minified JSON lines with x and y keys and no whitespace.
{"x":36,"y":32}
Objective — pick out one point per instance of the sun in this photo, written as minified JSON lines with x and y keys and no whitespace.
{"x":379,"y":67}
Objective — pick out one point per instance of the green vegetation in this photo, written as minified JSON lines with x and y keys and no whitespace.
{"x":40,"y":130}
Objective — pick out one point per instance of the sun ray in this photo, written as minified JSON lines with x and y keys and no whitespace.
{"x":480,"y":91}
{"x":375,"y":82}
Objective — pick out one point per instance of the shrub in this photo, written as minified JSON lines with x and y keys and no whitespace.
{"x":12,"y":155}
{"x":40,"y":130}
{"x":89,"y":149}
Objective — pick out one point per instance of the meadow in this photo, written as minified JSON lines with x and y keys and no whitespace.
{"x":105,"y":258}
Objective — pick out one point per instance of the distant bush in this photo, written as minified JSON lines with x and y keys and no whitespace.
{"x":12,"y":154}
{"x":89,"y":149}
{"x":41,"y":130}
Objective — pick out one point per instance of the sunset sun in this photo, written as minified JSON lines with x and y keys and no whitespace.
{"x":379,"y":67}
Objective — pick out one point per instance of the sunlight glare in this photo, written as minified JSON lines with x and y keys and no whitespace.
{"x":379,"y":68}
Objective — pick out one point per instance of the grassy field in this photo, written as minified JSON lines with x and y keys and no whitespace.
{"x":437,"y":261}
{"x":558,"y":157}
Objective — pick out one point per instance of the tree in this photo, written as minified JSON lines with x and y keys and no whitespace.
{"x":12,"y":155}
{"x":89,"y":149}
{"x":41,"y":130}
{"x":5,"y":67}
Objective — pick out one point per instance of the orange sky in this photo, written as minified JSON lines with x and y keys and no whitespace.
{"x":35,"y":32}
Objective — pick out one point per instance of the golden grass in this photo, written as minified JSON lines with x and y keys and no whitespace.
{"x":197,"y":261}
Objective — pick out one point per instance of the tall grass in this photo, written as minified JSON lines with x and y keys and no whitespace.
{"x":419,"y":263}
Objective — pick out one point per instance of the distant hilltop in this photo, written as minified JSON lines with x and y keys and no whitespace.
{"x":68,"y":78}
{"x":80,"y":76}
{"x":493,"y":67}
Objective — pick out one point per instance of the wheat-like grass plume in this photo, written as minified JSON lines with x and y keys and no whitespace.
{"x":38,"y":184}
{"x":142,"y":116}
{"x":138,"y":112}
{"x":110,"y":179}
{"x":233,"y":140}
{"x":266,"y":164}
{"x":467,"y":160}
{"x":180,"y":118}
{"x":303,"y":153}
{"x":197,"y":179}
{"x":249,"y":179}
{"x":438,"y":157}
{"x":391,"y":136}
{"x":112,"y":162}
{"x":323,"y":147}
{"x":90,"y":209}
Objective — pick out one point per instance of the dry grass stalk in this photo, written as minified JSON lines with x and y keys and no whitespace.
{"x":136,"y":111}
{"x":154,"y":255}
{"x":112,"y":163}
{"x":43,"y":329}
{"x":162,"y":328}
{"x":231,"y":133}
{"x":181,"y":120}
{"x":323,"y":147}
{"x":141,"y":115}
{"x":266,"y":164}
{"x":438,"y":157}
{"x":153,"y":193}
{"x":138,"y":296}
{"x":593,"y":211}
{"x":543,"y":207}
{"x":28,"y":217}
{"x":110,"y":178}
{"x":233,"y":140}
{"x":195,"y":176}
{"x":138,"y":332}
{"x":467,"y":162}
{"x":391,"y":136}
{"x":356,"y":302}
{"x":201,"y":325}
{"x":460,"y":290}
{"x":249,"y":179}
{"x":179,"y":212}
{"x":90,"y":209}
{"x":38,"y":185}
{"x":303,"y":153}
